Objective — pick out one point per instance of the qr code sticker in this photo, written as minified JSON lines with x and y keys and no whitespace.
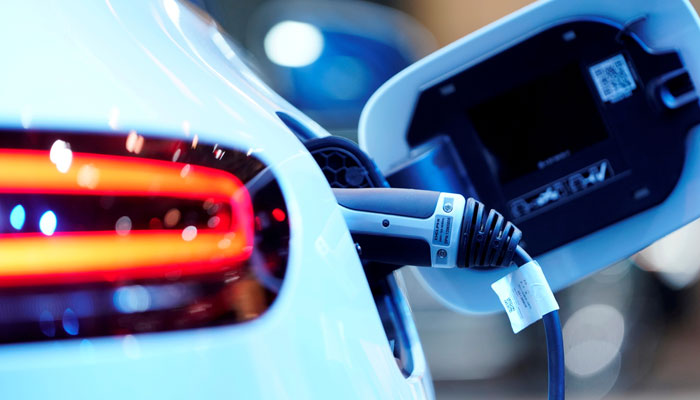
{"x":613,"y":79}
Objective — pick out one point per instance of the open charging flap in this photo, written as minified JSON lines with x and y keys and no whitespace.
{"x":579,"y":121}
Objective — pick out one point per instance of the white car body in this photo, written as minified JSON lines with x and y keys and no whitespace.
{"x":163,"y":68}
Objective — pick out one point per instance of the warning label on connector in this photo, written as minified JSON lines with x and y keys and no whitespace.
{"x":443,"y":227}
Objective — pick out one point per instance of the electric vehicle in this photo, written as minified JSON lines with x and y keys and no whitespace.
{"x":165,"y":233}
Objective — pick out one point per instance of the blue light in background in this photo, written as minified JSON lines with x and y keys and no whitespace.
{"x":131,"y":299}
{"x":334,"y":85}
{"x":47,"y":223}
{"x":17,"y":216}
{"x":46,"y":324}
{"x":70,"y":322}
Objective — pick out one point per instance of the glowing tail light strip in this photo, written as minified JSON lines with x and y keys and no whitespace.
{"x":106,"y":256}
{"x":31,"y":171}
{"x":66,"y":257}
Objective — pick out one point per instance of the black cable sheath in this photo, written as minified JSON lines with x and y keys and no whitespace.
{"x":555,"y":342}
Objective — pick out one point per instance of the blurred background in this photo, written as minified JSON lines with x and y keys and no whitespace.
{"x":630,"y":331}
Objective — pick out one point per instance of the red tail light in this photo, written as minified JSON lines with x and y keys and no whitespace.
{"x":86,"y":221}
{"x":69,"y":257}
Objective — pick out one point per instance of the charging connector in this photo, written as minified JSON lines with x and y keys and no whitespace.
{"x":426,"y":228}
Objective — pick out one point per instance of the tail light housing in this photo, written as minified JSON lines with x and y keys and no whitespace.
{"x":119,"y":234}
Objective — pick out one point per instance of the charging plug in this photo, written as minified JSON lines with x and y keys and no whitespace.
{"x":426,"y":228}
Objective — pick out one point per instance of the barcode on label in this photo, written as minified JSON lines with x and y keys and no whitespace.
{"x":508,"y":303}
{"x":442,"y":230}
{"x":613,"y":79}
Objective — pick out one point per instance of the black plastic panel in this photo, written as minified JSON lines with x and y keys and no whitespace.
{"x":555,"y":153}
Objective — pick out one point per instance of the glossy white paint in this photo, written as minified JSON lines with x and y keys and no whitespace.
{"x":163,"y":68}
{"x":670,"y":24}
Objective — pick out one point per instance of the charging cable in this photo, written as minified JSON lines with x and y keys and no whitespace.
{"x":555,"y":342}
{"x":445,"y":230}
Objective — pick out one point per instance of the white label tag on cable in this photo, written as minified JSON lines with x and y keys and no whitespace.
{"x":526,"y":295}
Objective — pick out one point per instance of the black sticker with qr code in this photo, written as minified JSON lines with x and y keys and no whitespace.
{"x":613,"y":79}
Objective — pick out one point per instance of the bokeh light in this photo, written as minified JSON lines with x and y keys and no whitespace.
{"x":293,"y":44}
